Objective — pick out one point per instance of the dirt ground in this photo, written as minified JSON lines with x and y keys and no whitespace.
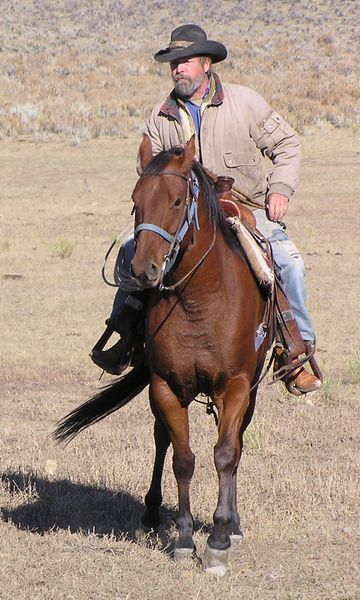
{"x":69,"y":515}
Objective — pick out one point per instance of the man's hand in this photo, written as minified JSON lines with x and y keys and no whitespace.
{"x":276,"y":206}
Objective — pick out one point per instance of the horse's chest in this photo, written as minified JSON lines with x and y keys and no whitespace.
{"x":184,"y":328}
{"x":184,"y":348}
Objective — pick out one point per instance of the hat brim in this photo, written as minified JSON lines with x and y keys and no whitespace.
{"x":215,"y":50}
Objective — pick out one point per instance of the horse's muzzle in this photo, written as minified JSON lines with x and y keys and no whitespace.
{"x":147,"y":274}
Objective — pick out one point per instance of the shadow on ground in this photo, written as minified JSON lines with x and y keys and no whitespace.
{"x":60,"y":504}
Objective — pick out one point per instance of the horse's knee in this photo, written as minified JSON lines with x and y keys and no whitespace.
{"x":225,"y":455}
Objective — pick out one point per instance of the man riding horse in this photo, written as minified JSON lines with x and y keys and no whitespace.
{"x":235,"y":128}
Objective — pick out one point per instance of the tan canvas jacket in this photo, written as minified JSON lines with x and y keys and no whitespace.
{"x":238,"y":130}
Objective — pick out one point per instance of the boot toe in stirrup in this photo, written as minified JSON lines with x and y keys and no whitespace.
{"x":104,"y":361}
{"x":303,"y":382}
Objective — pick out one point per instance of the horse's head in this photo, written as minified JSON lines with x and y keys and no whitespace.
{"x":162,"y":198}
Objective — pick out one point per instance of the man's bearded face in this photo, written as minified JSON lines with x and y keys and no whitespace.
{"x":188,"y":75}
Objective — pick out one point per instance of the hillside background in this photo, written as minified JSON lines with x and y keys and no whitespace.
{"x":85,"y":68}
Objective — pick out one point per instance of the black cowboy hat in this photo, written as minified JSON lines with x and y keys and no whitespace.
{"x":191,"y":40}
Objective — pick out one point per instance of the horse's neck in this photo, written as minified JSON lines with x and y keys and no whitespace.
{"x":207,"y":263}
{"x":198,"y":245}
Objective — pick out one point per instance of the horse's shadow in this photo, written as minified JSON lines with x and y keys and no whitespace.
{"x":61,"y":504}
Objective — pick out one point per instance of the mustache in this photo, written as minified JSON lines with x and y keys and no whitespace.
{"x":183,"y":77}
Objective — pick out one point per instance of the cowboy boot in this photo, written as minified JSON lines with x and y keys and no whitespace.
{"x":301,"y":381}
{"x":128,"y":324}
{"x":298,"y":381}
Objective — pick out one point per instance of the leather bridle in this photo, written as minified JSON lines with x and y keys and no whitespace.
{"x":189,"y":216}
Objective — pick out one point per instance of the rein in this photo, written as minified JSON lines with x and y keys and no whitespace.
{"x":189,"y":216}
{"x":171,"y":288}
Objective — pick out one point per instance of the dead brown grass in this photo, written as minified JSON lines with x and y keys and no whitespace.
{"x":68,"y":515}
{"x":84,"y":69}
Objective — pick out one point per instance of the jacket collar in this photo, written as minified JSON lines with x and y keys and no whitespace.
{"x":170,"y":108}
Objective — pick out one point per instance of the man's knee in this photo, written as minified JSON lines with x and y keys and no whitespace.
{"x":289,"y":261}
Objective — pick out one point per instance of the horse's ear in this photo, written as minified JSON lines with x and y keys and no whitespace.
{"x":145,"y":152}
{"x":189,"y":154}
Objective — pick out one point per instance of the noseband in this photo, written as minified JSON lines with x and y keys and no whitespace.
{"x":189,"y":216}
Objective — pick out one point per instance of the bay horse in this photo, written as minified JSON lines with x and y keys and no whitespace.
{"x":203,"y":313}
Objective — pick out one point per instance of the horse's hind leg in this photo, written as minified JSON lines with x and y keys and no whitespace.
{"x":153,"y":499}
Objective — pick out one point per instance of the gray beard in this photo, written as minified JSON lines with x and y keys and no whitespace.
{"x":185,"y":90}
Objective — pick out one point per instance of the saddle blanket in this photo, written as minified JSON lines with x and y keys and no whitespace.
{"x":255,"y":253}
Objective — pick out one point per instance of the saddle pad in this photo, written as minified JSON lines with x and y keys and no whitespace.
{"x":255,"y":255}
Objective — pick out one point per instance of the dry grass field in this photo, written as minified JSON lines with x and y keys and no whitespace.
{"x":68,"y":515}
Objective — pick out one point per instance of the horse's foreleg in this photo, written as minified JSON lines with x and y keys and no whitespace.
{"x":176,"y":420}
{"x":183,"y":466}
{"x":227,"y":454}
{"x":153,"y":499}
{"x":234,"y":528}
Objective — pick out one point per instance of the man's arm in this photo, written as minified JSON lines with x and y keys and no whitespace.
{"x":279,"y":141}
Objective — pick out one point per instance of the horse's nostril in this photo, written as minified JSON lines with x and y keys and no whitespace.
{"x":147,"y":272}
{"x":152,"y":271}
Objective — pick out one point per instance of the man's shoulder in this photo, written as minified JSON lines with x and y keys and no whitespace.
{"x":167,"y":108}
{"x":241,"y":91}
{"x":157,"y":107}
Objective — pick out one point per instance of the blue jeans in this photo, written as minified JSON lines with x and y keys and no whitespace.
{"x":292,"y":271}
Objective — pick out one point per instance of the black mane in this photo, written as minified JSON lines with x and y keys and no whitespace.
{"x":216,"y":215}
{"x":160,"y":161}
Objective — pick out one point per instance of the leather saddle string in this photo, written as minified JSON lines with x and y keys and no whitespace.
{"x":269,"y":319}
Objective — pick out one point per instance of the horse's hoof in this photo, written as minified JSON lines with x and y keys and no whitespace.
{"x":181,"y":554}
{"x":215,"y":561}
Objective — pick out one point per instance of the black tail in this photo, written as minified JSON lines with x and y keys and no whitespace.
{"x":104,"y":403}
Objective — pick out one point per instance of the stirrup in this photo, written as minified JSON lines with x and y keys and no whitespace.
{"x":113,"y":368}
{"x":104,"y":338}
{"x":116,"y":359}
{"x":288,"y":371}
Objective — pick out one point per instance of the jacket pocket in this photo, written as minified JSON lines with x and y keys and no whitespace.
{"x":242,"y":160}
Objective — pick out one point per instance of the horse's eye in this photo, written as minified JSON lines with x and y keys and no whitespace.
{"x":177,"y":202}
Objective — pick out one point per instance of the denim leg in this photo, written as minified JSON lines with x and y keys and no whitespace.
{"x":292,"y":271}
{"x":118,"y":304}
{"x":121,"y":271}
